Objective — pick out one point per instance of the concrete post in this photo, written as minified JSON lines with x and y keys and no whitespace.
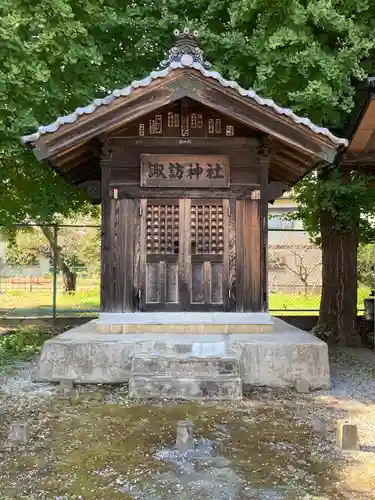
{"x":18,"y":432}
{"x":347,"y":435}
{"x":185,"y":435}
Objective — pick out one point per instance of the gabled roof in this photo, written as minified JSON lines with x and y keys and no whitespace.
{"x":72,"y":143}
{"x":185,"y":55}
{"x":360,"y":130}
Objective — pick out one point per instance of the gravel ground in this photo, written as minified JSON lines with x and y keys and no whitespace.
{"x":352,"y":397}
{"x":353,"y":390}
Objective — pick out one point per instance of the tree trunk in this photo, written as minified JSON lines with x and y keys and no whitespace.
{"x":338,"y":307}
{"x":69,"y":277}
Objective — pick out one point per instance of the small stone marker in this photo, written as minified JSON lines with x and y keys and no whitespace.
{"x":66,"y":385}
{"x":302,"y":386}
{"x":185,"y":435}
{"x":347,"y":435}
{"x":18,"y":432}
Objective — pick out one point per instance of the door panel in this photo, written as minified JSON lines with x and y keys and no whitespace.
{"x":207,"y":221}
{"x":160,"y":250}
{"x":184,"y":255}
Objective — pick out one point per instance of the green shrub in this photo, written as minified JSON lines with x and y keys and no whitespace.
{"x":22,"y":344}
{"x":365,"y":262}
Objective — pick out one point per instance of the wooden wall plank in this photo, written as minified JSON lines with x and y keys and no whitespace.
{"x":118,"y":244}
{"x":142,"y":255}
{"x":207,"y":282}
{"x":229,"y":278}
{"x":240,"y":192}
{"x":184,"y":264}
{"x":240,"y":255}
{"x":162,"y":281}
{"x":248,"y":255}
{"x":265,"y":161}
{"x":127,"y":261}
{"x":137,"y":254}
{"x":120,"y":255}
{"x":121,"y":143}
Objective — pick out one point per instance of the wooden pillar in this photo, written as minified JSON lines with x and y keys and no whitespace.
{"x":252,"y":242}
{"x":248,"y":272}
{"x":106,"y":237}
{"x":119,"y":244}
{"x":120,"y":237}
{"x":264,"y":160}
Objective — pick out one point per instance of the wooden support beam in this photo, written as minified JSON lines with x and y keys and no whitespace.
{"x":360,"y":158}
{"x":264,"y":160}
{"x":260,"y":118}
{"x":275,"y":190}
{"x":131,"y":109}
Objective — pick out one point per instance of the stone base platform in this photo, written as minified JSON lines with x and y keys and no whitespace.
{"x":185,"y":322}
{"x":275,"y":359}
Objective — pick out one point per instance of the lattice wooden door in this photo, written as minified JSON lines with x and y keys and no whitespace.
{"x":207,"y":234}
{"x":160,"y":249}
{"x":184,"y":244}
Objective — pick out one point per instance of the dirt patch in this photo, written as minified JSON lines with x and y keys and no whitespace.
{"x":82,"y":445}
{"x":94,"y":443}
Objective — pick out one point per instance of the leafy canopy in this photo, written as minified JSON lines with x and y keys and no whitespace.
{"x":348,"y":200}
{"x":60,"y":54}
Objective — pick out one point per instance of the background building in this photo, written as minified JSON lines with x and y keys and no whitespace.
{"x":294,"y":263}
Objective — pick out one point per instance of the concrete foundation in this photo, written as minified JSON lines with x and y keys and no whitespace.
{"x":275,"y":359}
{"x":185,"y":322}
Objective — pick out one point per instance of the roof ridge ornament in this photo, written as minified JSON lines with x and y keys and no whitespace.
{"x":185,"y":51}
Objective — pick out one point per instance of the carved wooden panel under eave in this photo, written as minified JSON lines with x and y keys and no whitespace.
{"x":190,"y":119}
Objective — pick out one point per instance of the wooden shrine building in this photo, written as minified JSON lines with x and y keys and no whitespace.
{"x":360,"y":131}
{"x":184,"y":164}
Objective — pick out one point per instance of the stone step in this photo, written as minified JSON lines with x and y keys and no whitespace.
{"x":184,"y":365}
{"x":220,"y":387}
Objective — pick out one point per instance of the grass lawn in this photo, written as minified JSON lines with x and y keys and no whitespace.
{"x":35,"y":303}
{"x":284,"y":303}
{"x":16,"y":303}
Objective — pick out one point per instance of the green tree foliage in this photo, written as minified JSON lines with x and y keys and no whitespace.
{"x":366,"y":265}
{"x":60,"y":54}
{"x":347,"y":201}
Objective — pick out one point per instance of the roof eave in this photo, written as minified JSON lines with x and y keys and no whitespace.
{"x":159,"y":75}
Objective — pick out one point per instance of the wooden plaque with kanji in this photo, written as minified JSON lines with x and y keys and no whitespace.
{"x":187,"y":171}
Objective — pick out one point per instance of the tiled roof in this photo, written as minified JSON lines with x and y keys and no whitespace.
{"x":185,"y":55}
